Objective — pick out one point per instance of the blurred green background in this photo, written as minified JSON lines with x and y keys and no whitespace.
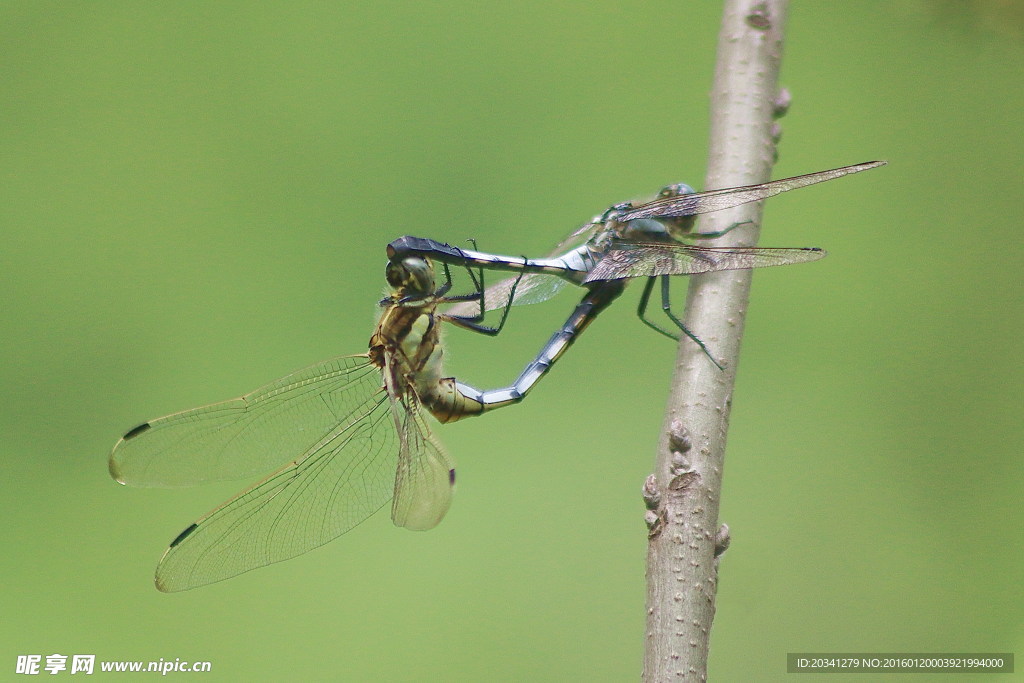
{"x":195,"y":201}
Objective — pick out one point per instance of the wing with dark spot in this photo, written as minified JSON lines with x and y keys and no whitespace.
{"x":246,"y":436}
{"x":341,"y":479}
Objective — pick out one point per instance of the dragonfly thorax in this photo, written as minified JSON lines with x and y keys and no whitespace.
{"x":677,"y":227}
{"x":411,"y":276}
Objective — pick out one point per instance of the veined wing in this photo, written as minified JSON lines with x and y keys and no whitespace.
{"x":250,"y":435}
{"x":640,"y":259}
{"x":342,"y":479}
{"x":716,"y":200}
{"x":532,"y":289}
{"x":424,"y":478}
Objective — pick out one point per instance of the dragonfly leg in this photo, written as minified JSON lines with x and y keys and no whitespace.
{"x":478,"y":293}
{"x":443,"y":289}
{"x":666,"y":306}
{"x":472,"y":323}
{"x":474,"y":296}
{"x":718,"y":233}
{"x":478,"y":286}
{"x":641,"y":310}
{"x":595,"y":301}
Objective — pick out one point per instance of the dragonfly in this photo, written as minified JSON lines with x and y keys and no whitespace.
{"x":622,"y":243}
{"x":351,"y":429}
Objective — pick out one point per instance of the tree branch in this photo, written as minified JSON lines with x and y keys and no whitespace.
{"x":683,"y":493}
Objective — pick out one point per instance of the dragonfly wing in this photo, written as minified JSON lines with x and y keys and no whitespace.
{"x":532,"y":289}
{"x":629,"y":259}
{"x":716,"y":200}
{"x":246,"y":436}
{"x":424,"y":479}
{"x":337,"y":483}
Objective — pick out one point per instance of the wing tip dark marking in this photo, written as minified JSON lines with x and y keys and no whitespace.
{"x":135,"y":431}
{"x":451,"y":476}
{"x":183,"y":535}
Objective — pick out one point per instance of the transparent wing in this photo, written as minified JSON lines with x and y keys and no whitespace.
{"x":425,"y":476}
{"x":250,"y":435}
{"x":716,"y":200}
{"x":532,"y":289}
{"x":342,"y":479}
{"x":638,"y":259}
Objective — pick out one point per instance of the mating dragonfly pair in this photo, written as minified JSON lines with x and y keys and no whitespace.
{"x":352,"y":428}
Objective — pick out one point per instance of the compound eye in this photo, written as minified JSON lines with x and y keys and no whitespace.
{"x":396,"y":274}
{"x":423,"y":275}
{"x":413,"y":275}
{"x":676,"y":190}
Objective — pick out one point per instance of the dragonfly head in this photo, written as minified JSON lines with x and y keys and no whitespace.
{"x":411,"y":276}
{"x":677,"y":226}
{"x":676,"y":190}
